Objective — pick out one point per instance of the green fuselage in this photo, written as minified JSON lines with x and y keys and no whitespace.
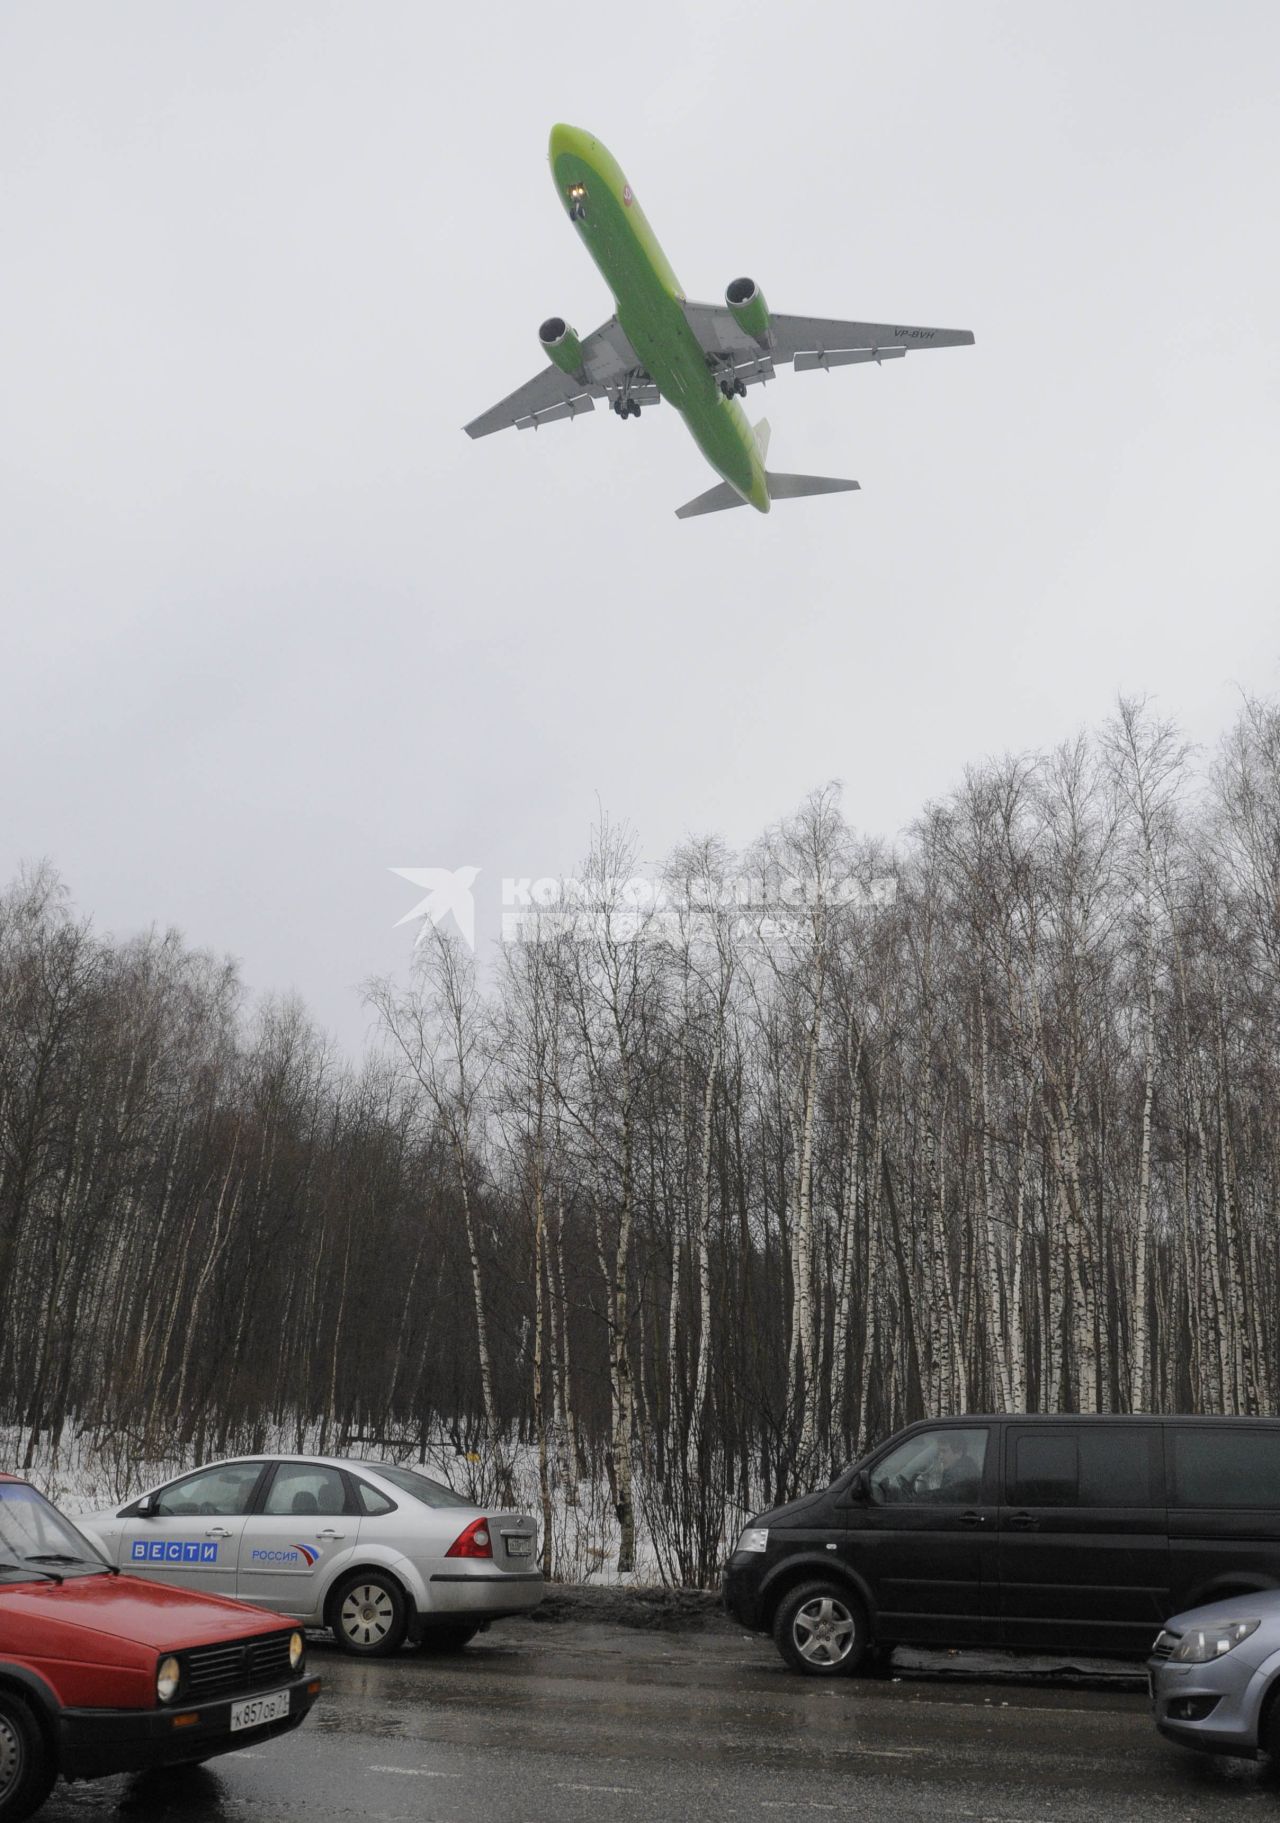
{"x":650,"y":308}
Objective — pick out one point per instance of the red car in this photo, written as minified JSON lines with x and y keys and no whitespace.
{"x":102,"y":1672}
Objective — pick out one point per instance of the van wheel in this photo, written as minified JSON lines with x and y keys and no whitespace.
{"x":820,"y":1630}
{"x":368,"y":1614}
{"x":27,"y":1768}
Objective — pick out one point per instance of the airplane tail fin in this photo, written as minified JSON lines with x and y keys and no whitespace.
{"x":761,"y":434}
{"x":781,"y":487}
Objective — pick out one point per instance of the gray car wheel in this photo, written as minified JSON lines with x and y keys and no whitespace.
{"x":368,"y":1614}
{"x":27,"y":1770}
{"x":820,"y":1630}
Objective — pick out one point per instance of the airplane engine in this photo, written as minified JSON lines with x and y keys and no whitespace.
{"x":561,"y":345}
{"x":749,"y":310}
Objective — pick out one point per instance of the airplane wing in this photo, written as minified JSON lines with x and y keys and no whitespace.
{"x":609,"y":366}
{"x":809,"y":342}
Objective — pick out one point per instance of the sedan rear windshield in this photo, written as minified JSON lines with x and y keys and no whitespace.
{"x":422,"y":1487}
{"x":36,"y":1541}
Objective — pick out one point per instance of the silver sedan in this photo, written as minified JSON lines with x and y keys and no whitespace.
{"x":1215,"y":1676}
{"x":377,"y":1552}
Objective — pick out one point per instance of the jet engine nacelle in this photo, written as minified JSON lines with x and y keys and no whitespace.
{"x":748,"y":309}
{"x":561,"y":344}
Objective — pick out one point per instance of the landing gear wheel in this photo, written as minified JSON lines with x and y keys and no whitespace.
{"x":820,"y":1630}
{"x":726,"y":387}
{"x":633,"y":406}
{"x":368,"y":1614}
{"x":27,"y":1768}
{"x":447,"y":1639}
{"x":740,"y":387}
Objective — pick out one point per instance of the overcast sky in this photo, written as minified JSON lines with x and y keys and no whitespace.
{"x":272,"y":625}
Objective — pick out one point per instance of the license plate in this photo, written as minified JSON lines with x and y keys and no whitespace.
{"x":519,"y":1547}
{"x":257,"y":1711}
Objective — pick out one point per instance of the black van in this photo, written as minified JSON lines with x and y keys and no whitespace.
{"x":1062,"y":1534}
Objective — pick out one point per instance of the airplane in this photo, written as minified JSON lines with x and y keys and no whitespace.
{"x":700,"y":357}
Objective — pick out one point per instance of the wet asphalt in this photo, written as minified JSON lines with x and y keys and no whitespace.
{"x":582,"y":1721}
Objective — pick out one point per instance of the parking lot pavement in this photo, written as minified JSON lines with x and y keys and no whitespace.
{"x":578,"y":1721}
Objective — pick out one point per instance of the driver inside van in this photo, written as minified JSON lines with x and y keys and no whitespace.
{"x":959,"y":1478}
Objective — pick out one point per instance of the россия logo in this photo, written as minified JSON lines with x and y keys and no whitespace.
{"x":289,"y":1554}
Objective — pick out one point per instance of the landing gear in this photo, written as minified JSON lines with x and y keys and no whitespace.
{"x":740,"y":387}
{"x":626,"y":408}
{"x":734,"y":386}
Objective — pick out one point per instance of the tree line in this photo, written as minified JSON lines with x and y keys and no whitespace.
{"x":689,"y":1195}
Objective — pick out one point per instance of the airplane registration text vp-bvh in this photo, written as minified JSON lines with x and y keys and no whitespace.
{"x":701,"y":358}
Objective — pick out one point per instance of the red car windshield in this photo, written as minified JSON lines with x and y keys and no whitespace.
{"x":36,"y":1541}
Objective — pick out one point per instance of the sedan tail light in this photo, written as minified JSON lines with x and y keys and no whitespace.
{"x":474,"y":1542}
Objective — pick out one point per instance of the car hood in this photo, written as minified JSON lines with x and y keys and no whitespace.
{"x":1264,"y":1606}
{"x":125,"y":1607}
{"x":795,"y":1512}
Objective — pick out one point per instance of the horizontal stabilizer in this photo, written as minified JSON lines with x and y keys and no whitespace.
{"x":715,"y":500}
{"x":781,"y":487}
{"x":796,"y":487}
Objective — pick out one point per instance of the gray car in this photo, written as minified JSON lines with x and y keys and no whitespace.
{"x":377,"y":1552}
{"x":1215,"y":1676}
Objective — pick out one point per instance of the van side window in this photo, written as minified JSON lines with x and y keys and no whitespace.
{"x":1046,"y":1470}
{"x":1115,"y":1466}
{"x":1092,"y":1465}
{"x":1222,"y":1467}
{"x":943,"y":1466}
